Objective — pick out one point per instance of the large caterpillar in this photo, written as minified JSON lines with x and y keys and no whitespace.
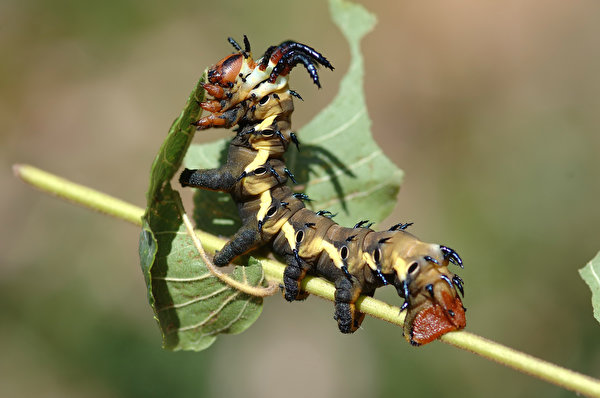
{"x":254,"y":97}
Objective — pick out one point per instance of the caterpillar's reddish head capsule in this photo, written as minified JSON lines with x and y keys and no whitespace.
{"x":226,"y":71}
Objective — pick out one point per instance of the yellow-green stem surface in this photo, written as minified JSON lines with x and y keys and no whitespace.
{"x":525,"y":363}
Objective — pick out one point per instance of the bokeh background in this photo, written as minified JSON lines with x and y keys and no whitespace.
{"x":491,"y":108}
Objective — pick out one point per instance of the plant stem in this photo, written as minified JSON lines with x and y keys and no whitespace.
{"x":525,"y":363}
{"x":517,"y":360}
{"x":79,"y":194}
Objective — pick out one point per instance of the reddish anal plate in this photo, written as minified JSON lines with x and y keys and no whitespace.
{"x":437,"y":320}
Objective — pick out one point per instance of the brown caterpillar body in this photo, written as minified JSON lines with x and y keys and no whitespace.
{"x":255,"y":97}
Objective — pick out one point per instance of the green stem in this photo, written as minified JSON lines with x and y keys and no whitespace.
{"x":79,"y":194}
{"x":525,"y":363}
{"x":522,"y":362}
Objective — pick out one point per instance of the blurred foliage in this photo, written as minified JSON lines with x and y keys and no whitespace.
{"x":490,"y":109}
{"x":91,"y":353}
{"x":591,"y":275}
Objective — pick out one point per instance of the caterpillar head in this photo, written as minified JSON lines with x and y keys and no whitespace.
{"x":237,"y":79}
{"x":430,"y":289}
{"x":226,"y":77}
{"x":226,"y":71}
{"x":226,"y":83}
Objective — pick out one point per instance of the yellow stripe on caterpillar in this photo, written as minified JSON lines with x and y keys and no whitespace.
{"x":401,"y":267}
{"x":290,"y":234}
{"x":263,"y":154}
{"x":265,"y":203}
{"x":266,"y":124}
{"x":333,"y":253}
{"x":259,"y":160}
{"x":368,"y":259}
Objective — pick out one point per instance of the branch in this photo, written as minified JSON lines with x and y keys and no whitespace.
{"x":517,"y":360}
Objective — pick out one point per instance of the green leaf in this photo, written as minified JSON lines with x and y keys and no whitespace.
{"x":344,"y":169}
{"x":169,"y":157}
{"x":340,"y":167}
{"x":191,"y":305}
{"x":591,"y":275}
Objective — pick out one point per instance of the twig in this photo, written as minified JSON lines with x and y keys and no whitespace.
{"x":522,"y":362}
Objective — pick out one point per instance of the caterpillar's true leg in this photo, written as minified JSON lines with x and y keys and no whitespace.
{"x":293,"y":275}
{"x":225,"y":119}
{"x":346,"y":314}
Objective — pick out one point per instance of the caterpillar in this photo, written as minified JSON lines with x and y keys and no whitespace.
{"x":255,"y":98}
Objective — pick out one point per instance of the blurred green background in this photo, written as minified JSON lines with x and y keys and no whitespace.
{"x":491,"y":108}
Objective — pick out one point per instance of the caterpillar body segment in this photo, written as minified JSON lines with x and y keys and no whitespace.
{"x":255,"y":97}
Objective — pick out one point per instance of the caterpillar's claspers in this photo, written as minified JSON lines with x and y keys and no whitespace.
{"x":255,"y":97}
{"x":430,"y":289}
{"x":436,"y":309}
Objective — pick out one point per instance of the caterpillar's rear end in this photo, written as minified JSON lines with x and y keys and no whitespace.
{"x":254,"y":96}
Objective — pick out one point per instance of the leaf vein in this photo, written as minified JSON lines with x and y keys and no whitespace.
{"x":358,"y":194}
{"x":194,"y":279}
{"x":341,"y":128}
{"x":193,"y":301}
{"x":595,"y":275}
{"x":210,"y":315}
{"x":234,"y":320}
{"x":338,"y":172}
